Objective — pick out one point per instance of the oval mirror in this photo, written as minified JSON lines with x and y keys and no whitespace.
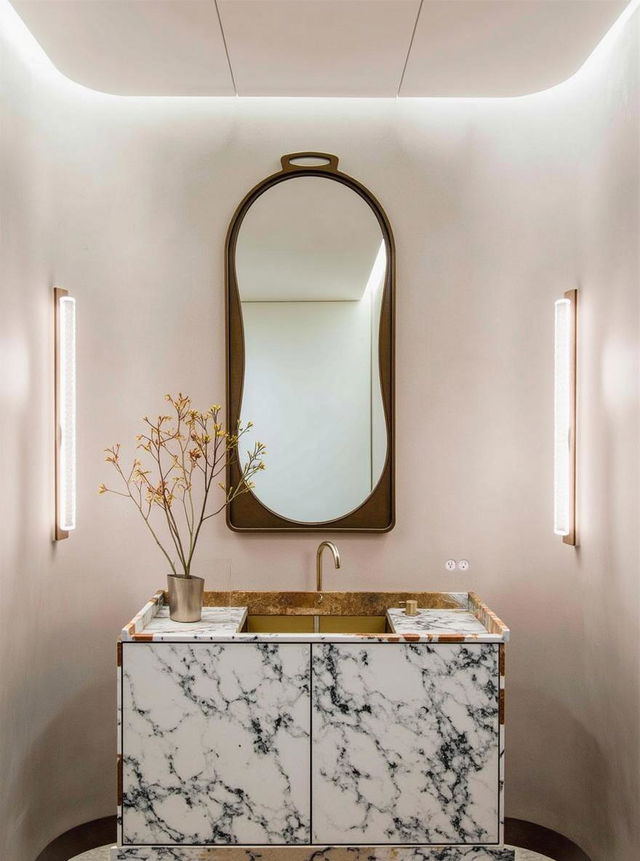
{"x":310,"y":358}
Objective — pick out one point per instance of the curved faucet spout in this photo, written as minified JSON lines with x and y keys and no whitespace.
{"x":336,"y":559}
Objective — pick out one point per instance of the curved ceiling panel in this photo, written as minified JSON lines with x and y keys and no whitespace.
{"x":503,"y":47}
{"x":133,"y":47}
{"x":372,"y":48}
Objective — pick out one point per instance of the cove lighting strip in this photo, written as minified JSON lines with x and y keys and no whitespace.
{"x":564,"y":490}
{"x":65,"y":412}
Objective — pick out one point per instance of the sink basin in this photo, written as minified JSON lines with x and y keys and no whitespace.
{"x":353,"y":624}
{"x":257,"y":624}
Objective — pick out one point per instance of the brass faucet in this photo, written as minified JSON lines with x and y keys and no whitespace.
{"x":336,"y":558}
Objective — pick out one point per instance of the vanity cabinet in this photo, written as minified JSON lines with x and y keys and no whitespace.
{"x":292,"y":743}
{"x":405,"y":743}
{"x":215,"y":743}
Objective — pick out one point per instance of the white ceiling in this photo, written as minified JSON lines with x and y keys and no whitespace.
{"x":319,"y":47}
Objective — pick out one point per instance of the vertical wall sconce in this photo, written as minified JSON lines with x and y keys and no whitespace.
{"x":564,"y":503}
{"x":65,"y":412}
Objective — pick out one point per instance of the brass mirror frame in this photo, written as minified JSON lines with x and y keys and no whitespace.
{"x":377,"y":512}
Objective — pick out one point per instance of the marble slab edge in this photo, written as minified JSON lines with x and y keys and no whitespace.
{"x":142,"y":619}
{"x":243,"y":637}
{"x":488,"y":618}
{"x":312,"y":853}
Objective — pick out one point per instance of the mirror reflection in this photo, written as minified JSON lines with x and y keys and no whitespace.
{"x":310,"y":266}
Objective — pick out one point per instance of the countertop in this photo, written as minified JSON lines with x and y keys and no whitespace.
{"x":447,"y":617}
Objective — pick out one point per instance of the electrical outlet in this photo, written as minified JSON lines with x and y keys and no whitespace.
{"x":463,"y":565}
{"x":450,"y":564}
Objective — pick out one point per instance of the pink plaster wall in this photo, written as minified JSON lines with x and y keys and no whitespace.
{"x":498,"y":206}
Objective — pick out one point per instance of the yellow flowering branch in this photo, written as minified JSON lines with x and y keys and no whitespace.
{"x":187,"y":450}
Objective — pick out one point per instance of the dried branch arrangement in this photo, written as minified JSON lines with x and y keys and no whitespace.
{"x":173,"y":483}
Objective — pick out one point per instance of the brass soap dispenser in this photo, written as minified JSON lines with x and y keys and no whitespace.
{"x":410,"y":607}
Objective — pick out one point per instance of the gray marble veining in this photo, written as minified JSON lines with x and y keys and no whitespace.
{"x":406,"y":743}
{"x":316,"y":853}
{"x":435,"y":622}
{"x":215,"y":743}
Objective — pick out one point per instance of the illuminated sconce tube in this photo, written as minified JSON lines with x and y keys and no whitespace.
{"x":564,"y":501}
{"x":65,"y":412}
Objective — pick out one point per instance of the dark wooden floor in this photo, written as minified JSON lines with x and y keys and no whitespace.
{"x":518,"y":832}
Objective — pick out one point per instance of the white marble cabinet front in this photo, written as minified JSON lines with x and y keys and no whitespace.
{"x":405,"y":743}
{"x":215,"y":743}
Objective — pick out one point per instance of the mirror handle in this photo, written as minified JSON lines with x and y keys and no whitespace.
{"x":289,"y":165}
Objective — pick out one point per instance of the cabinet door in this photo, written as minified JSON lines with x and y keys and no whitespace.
{"x":215,"y":742}
{"x":405,"y":743}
